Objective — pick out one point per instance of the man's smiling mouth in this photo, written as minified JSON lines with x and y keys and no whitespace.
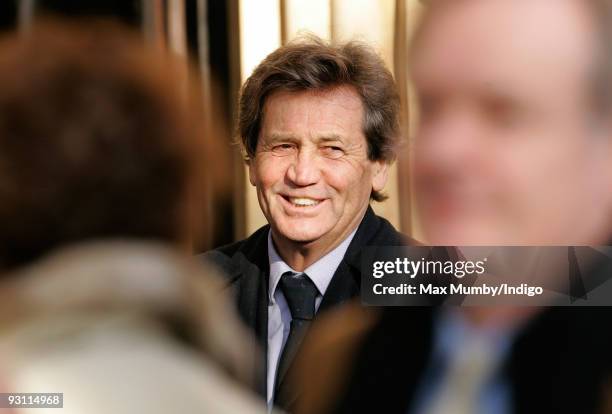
{"x":302,"y":201}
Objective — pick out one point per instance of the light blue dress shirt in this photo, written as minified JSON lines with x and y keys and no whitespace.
{"x":450,"y":327}
{"x":279,"y":316}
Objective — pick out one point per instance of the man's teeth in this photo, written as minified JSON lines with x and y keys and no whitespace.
{"x":303,"y":202}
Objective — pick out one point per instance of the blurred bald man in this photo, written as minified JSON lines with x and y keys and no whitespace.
{"x":514,"y":147}
{"x":514,"y":143}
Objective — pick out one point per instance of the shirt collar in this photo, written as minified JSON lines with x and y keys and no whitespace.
{"x":320,"y":272}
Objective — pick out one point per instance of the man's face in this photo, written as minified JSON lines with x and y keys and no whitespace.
{"x":507,"y":151}
{"x":311,"y":169}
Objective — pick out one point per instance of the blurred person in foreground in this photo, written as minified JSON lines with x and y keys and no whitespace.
{"x":514,"y":147}
{"x":319,"y":126}
{"x":100,"y":161}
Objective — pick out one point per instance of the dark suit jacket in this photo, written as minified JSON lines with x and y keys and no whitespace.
{"x":560,"y":362}
{"x":247,"y":268}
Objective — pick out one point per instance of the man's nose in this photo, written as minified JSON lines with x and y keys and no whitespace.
{"x":304,"y":169}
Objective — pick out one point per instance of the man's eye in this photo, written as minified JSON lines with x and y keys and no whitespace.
{"x":429,"y":108}
{"x":283,"y":148}
{"x":333,"y":151}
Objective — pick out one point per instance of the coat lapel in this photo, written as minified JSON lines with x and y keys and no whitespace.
{"x":252,"y":268}
{"x":346,"y":282}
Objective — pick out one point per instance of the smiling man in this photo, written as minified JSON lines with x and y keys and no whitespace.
{"x":312,"y":171}
{"x":319,"y":125}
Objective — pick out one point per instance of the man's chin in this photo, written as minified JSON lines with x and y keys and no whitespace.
{"x":303,"y":238}
{"x":300,"y":235}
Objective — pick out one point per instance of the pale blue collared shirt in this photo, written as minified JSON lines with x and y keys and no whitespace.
{"x":279,"y":316}
{"x":450,"y":330}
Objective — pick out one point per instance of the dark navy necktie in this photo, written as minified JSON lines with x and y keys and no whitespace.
{"x":300,"y":293}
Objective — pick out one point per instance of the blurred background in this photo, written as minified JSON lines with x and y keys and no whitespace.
{"x":225,"y":40}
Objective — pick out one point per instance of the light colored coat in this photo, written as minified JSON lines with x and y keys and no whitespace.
{"x":102,"y":323}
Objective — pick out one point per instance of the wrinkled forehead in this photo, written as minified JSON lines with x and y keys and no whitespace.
{"x":342,"y":95}
{"x":516,"y":44}
{"x":330,"y":111}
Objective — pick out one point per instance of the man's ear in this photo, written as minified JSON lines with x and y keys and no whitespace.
{"x":609,"y":164}
{"x":251,"y":165}
{"x":380,"y":175}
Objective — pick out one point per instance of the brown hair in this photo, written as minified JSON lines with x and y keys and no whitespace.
{"x":311,"y":64}
{"x":95,"y":140}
